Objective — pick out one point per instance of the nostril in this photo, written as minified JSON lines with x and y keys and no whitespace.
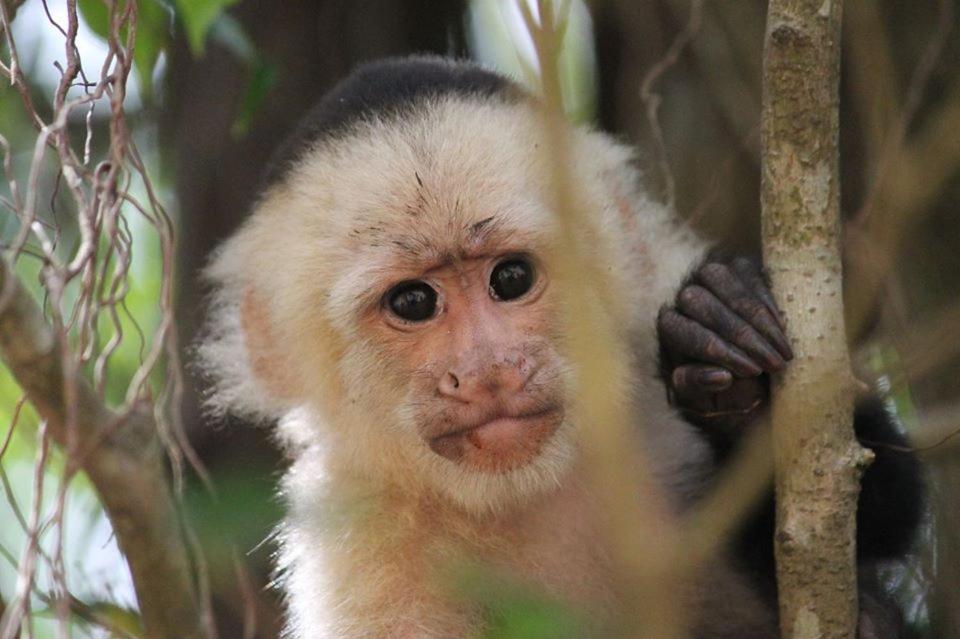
{"x":450,"y":385}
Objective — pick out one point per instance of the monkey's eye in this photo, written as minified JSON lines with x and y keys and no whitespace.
{"x":511,"y":278}
{"x":413,"y":301}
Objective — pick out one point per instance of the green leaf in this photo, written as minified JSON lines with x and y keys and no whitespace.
{"x":513,"y":609}
{"x":531,"y":619}
{"x":229,"y":33}
{"x":261,"y":75}
{"x":197,"y":17}
{"x":153,"y":36}
{"x":153,"y":33}
{"x":113,"y":616}
{"x":261,"y":80}
{"x":97,"y":16}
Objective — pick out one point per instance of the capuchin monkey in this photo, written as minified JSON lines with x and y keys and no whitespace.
{"x":388,"y":303}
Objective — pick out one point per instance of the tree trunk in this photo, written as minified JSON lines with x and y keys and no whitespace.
{"x":818,"y":460}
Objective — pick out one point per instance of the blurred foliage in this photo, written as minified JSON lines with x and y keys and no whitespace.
{"x":514,"y":610}
{"x":497,"y":37}
{"x":245,"y":499}
{"x":121,"y":620}
{"x":152,"y":36}
{"x":198,"y":16}
{"x":261,"y":75}
{"x":156,"y":31}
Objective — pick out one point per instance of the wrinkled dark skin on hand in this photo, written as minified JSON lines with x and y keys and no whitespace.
{"x":719,"y":342}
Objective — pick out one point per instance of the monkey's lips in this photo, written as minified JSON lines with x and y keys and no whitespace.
{"x":501,"y":443}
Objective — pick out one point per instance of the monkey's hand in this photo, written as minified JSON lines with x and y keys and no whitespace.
{"x":718,"y":343}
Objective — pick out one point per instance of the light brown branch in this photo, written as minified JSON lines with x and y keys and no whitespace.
{"x":818,"y":460}
{"x":120,"y":454}
{"x":11,"y":7}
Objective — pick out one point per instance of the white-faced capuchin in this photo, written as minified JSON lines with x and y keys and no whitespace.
{"x":389,"y":305}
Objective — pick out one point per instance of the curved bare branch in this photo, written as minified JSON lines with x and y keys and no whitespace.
{"x":121,"y":455}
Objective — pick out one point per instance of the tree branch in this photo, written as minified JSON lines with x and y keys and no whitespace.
{"x":818,"y":460}
{"x":120,"y":454}
{"x":12,"y":7}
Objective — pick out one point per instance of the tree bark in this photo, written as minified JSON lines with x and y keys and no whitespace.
{"x":818,"y":460}
{"x":120,"y":454}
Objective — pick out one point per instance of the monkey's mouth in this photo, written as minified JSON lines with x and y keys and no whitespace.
{"x":501,"y":443}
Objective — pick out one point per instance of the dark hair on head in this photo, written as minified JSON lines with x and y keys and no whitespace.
{"x":385,"y":88}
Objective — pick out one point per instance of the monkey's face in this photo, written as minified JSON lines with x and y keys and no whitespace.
{"x":397,"y":282}
{"x":485,"y":391}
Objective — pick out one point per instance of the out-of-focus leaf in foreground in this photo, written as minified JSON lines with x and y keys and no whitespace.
{"x":197,"y":17}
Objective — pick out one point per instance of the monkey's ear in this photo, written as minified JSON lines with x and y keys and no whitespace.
{"x":264,"y":354}
{"x":240,"y":354}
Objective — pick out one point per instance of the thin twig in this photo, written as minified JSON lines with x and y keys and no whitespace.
{"x":652,"y":100}
{"x":20,"y":606}
{"x":14,"y":418}
{"x":85,"y":288}
{"x":124,"y":466}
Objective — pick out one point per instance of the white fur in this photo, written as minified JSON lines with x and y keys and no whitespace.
{"x":374,"y":515}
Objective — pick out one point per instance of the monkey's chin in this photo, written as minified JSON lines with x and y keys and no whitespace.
{"x":478,"y":488}
{"x":501,"y":444}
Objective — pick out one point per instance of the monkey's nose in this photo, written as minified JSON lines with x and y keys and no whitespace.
{"x":449,"y":384}
{"x":487,"y":383}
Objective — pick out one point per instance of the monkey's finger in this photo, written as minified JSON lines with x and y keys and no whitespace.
{"x":700,"y":304}
{"x":700,"y":378}
{"x":732,"y":291}
{"x":726,"y":411}
{"x":695,"y":342}
{"x":750,"y":273}
{"x":743,"y":396}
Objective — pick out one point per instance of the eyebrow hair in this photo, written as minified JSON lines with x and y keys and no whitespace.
{"x":413,"y":254}
{"x":482,"y":231}
{"x":478,"y":227}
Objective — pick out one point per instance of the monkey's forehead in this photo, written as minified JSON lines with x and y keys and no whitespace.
{"x":451,"y":171}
